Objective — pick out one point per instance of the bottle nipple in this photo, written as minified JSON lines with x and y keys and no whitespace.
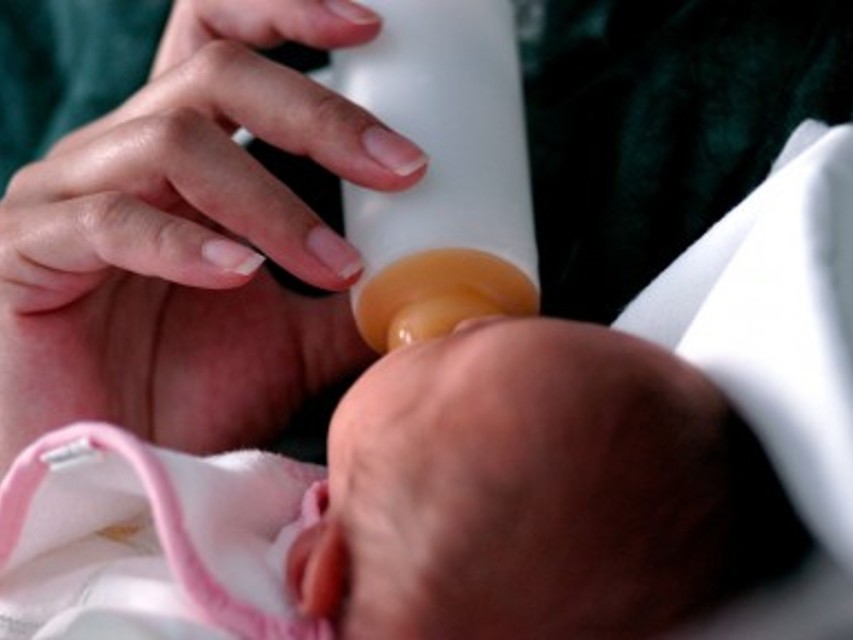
{"x":435,"y":316}
{"x":426,"y":294}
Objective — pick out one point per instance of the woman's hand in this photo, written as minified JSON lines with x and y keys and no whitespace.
{"x":130,"y":287}
{"x":323,"y":24}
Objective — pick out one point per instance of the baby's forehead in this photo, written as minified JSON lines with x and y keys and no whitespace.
{"x":461,"y":401}
{"x":459,"y":362}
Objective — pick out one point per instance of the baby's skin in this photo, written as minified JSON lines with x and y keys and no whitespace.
{"x":528,"y":478}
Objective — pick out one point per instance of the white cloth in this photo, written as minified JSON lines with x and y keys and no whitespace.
{"x":763,"y":303}
{"x":106,"y":537}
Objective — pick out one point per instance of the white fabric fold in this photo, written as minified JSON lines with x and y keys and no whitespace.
{"x":105,"y":536}
{"x":763,"y":304}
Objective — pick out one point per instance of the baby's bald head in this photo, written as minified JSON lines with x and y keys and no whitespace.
{"x":472,"y":480}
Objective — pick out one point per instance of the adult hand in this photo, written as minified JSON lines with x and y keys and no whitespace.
{"x":130,"y":287}
{"x":323,"y":24}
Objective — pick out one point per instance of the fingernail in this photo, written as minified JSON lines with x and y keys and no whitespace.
{"x":232,"y":256}
{"x":352,"y":11}
{"x":335,"y":252}
{"x":393,"y":151}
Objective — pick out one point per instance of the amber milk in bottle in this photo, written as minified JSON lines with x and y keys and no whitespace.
{"x":461,"y":243}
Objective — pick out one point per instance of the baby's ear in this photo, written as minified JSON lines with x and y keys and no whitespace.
{"x":318,"y":569}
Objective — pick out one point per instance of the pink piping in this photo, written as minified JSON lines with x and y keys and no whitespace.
{"x":21,"y":483}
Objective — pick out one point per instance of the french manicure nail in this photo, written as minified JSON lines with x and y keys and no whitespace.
{"x":352,"y":11}
{"x":393,"y":151}
{"x":335,"y":252}
{"x":231,"y":256}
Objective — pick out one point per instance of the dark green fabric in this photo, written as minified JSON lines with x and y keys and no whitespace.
{"x":649,"y":120}
{"x":64,"y":62}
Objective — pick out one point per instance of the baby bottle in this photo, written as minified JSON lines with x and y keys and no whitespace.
{"x":461,"y":243}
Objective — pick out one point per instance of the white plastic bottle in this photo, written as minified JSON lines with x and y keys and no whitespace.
{"x":461,"y":243}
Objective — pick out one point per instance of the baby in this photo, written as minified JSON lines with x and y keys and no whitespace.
{"x":521,"y":479}
{"x":528,"y":478}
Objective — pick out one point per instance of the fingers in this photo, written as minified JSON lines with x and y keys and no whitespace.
{"x":56,"y":252}
{"x":323,"y":24}
{"x":231,"y":85}
{"x":167,"y":146}
{"x":319,"y":23}
{"x":169,"y":149}
{"x":181,"y":157}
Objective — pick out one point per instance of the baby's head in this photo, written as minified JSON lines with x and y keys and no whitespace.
{"x":488,"y":485}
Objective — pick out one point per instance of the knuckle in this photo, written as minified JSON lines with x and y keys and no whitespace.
{"x":24,"y":180}
{"x":173,"y":129}
{"x":105,"y":218}
{"x":214,"y":60}
{"x":101,"y":214}
{"x":113,"y":224}
{"x":333,"y":111}
{"x":166,"y":237}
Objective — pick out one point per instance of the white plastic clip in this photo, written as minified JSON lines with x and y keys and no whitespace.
{"x":73,"y":454}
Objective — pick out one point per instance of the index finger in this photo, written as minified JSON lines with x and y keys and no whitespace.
{"x":233,"y":85}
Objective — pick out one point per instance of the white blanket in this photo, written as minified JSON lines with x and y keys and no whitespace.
{"x":105,"y":537}
{"x":763,"y":303}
